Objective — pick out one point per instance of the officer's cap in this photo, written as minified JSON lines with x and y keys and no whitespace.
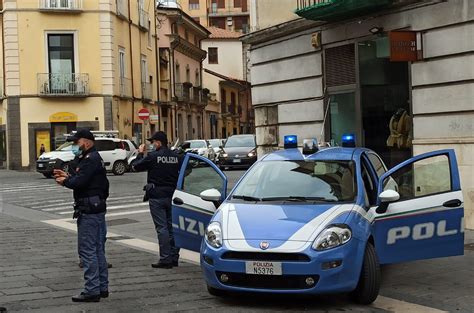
{"x":159,"y":136}
{"x":81,"y":133}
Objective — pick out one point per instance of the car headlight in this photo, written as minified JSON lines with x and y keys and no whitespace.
{"x":214,"y":235}
{"x":252,"y":154}
{"x":332,"y":236}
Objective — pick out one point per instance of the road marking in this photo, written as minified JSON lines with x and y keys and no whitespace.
{"x":60,"y":206}
{"x":398,"y":306}
{"x":128,"y":213}
{"x":135,"y":243}
{"x":117,"y":207}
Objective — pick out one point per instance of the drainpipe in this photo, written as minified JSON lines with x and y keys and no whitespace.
{"x":157,"y":60}
{"x":131,"y":63}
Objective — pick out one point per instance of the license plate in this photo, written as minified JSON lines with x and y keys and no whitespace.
{"x":237,"y":160}
{"x":40,"y":165}
{"x":263,"y":268}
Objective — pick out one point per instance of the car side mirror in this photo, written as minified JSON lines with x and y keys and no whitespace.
{"x":386,"y":197}
{"x":212,"y":195}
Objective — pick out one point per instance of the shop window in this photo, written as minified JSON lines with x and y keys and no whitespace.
{"x":193,"y":4}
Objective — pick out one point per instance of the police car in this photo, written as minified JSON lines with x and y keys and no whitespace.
{"x":318,"y":220}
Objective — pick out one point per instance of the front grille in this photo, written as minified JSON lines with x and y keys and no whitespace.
{"x":269,"y":256}
{"x":282,"y":282}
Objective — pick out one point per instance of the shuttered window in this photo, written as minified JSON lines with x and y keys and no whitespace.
{"x":340,"y":67}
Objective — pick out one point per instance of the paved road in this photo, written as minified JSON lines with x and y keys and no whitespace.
{"x":38,"y":267}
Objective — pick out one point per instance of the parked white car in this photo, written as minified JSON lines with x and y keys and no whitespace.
{"x":216,"y":146}
{"x":115,"y":153}
{"x":201,"y":147}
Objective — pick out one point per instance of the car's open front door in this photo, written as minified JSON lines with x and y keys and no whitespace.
{"x":191,"y":214}
{"x":427,"y":219}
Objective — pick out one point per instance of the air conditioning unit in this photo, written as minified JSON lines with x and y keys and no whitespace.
{"x":230,"y":21}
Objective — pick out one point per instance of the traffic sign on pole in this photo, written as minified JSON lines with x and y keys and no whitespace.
{"x":143,"y":114}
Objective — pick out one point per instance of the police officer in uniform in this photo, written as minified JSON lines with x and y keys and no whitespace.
{"x":163,"y":170}
{"x":91,"y":189}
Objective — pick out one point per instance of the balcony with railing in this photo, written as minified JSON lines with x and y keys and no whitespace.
{"x":63,"y":85}
{"x":122,"y":8}
{"x":196,"y":95}
{"x":331,"y":10}
{"x":182,"y":93}
{"x":73,"y":6}
{"x":224,"y":109}
{"x":143,"y":19}
{"x":125,"y":87}
{"x":147,"y":91}
{"x":232,"y":109}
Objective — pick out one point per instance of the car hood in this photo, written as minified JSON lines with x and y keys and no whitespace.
{"x":63,"y":155}
{"x":292,"y":222}
{"x":238,"y":150}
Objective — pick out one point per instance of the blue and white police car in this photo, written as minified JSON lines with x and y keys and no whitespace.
{"x":318,"y":220}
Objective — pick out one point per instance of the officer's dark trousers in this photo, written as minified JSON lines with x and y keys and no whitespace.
{"x":161,"y":212}
{"x":92,"y":232}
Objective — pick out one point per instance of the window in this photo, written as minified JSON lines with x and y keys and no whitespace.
{"x":238,"y":3}
{"x":122,"y":62}
{"x":232,"y":98}
{"x":213,"y":55}
{"x":196,"y":78}
{"x":218,"y":22}
{"x":318,"y":181}
{"x":105,"y":145}
{"x":61,"y":53}
{"x":188,"y":74}
{"x":178,"y":73}
{"x":223,"y":96}
{"x":149,"y":34}
{"x":370,"y":191}
{"x":193,"y":4}
{"x":144,"y":69}
{"x":200,"y":176}
{"x":221,"y":4}
{"x":422,"y":178}
{"x":378,"y":165}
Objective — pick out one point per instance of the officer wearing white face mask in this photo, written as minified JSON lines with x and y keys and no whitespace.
{"x":88,"y":180}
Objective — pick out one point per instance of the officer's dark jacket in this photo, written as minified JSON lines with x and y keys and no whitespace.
{"x":163,"y":170}
{"x":87,"y":176}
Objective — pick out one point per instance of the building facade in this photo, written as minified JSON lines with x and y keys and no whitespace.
{"x":232,"y":15}
{"x":267,"y":13}
{"x":72,"y":64}
{"x":223,"y":76}
{"x":183,"y":99}
{"x":398,"y":75}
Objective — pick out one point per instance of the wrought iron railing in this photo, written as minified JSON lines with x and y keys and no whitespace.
{"x":122,"y":8}
{"x":125,"y":87}
{"x":143,"y":19}
{"x":65,"y":5}
{"x":196,"y":95}
{"x":146,"y":91}
{"x":58,"y":84}
{"x":182,"y":92}
{"x":301,"y":4}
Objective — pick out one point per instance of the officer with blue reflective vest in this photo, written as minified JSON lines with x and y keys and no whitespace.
{"x":91,"y":190}
{"x":163,"y":170}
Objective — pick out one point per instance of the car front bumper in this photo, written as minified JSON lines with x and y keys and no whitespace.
{"x":342,"y":278}
{"x":236,"y":162}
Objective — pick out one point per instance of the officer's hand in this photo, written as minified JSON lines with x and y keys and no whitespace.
{"x":60,"y":180}
{"x":142,"y":148}
{"x":59,"y":173}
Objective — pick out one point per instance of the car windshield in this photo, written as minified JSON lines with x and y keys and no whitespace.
{"x":215,"y":143}
{"x":197,"y":144}
{"x":240,"y":141}
{"x":298,"y":181}
{"x":67,"y":146}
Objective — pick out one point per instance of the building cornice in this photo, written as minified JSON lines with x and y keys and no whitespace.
{"x":183,"y":46}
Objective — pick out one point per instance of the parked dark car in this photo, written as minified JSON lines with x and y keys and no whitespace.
{"x":240,"y":151}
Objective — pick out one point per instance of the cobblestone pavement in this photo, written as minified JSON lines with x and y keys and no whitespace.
{"x":39,"y":272}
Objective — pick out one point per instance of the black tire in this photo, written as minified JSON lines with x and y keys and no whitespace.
{"x":370,"y":279}
{"x":215,"y":292}
{"x":119,"y":168}
{"x":47,"y":175}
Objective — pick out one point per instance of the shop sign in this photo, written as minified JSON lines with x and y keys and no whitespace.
{"x":403,"y":46}
{"x":63,"y":117}
{"x":154,"y":117}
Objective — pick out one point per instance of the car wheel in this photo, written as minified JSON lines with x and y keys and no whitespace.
{"x":368,"y":287}
{"x":119,"y":168}
{"x":215,"y":292}
{"x":47,"y":175}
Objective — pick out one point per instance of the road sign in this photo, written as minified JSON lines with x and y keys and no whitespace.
{"x":143,"y":114}
{"x":154,"y":118}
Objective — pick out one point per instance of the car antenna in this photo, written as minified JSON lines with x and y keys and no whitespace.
{"x":321,"y":141}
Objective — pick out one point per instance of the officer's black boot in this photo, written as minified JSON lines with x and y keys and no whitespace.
{"x":86,"y":298}
{"x":162,"y":265}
